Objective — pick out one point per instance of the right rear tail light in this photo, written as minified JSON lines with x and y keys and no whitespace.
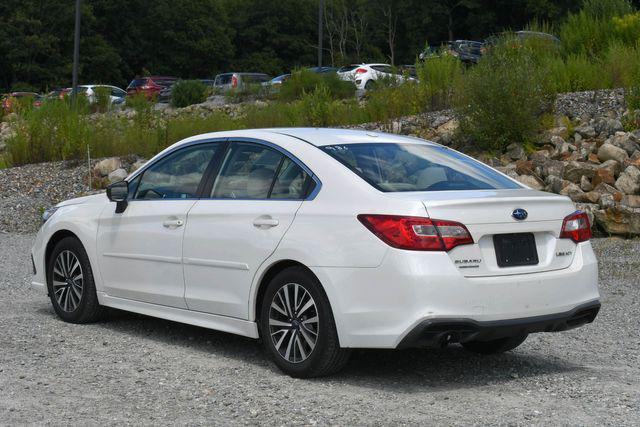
{"x":361,"y":71}
{"x":576,"y":227}
{"x":234,"y":81}
{"x":417,"y":233}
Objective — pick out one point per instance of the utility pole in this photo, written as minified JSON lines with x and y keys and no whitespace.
{"x":320,"y":27}
{"x":76,"y":53}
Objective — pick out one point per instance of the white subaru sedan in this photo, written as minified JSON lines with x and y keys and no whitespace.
{"x":318,"y":241}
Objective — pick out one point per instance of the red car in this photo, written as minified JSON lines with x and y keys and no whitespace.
{"x":9,"y":99}
{"x":150,"y":86}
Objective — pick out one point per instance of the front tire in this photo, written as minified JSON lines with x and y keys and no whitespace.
{"x":70,"y":283}
{"x":500,"y":345}
{"x":297,"y":326}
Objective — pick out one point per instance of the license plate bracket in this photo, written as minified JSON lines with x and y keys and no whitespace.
{"x":515,"y":249}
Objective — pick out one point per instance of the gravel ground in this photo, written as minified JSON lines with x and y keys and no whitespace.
{"x":26,"y":190}
{"x":132,"y":369}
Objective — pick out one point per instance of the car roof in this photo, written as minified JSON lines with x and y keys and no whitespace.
{"x":318,"y":137}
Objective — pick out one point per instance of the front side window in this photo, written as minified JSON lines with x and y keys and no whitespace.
{"x":253,"y":171}
{"x":391,"y":167}
{"x":178,"y":175}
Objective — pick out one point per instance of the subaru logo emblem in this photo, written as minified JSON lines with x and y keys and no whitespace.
{"x":519,"y":214}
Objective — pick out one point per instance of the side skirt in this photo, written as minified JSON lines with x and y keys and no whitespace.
{"x":196,"y":318}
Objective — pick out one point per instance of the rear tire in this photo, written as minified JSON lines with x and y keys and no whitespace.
{"x":370,"y":85}
{"x":297,"y":326}
{"x":500,"y":345}
{"x":70,"y":283}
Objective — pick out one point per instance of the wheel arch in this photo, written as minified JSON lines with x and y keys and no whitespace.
{"x":271,"y":272}
{"x":53,"y":241}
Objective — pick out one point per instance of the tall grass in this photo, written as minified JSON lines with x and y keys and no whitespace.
{"x":503,"y":98}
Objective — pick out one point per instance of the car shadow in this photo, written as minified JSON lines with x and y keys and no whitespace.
{"x":401,"y":371}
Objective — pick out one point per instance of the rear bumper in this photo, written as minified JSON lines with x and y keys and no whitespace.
{"x":378,"y":307}
{"x":438,"y":332}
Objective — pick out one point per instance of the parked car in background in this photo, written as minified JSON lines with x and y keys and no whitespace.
{"x":228,"y":81}
{"x":364,"y":76}
{"x":150,"y":87}
{"x":59,"y":93}
{"x":323,"y":70}
{"x":408,"y":70}
{"x":523,"y":35}
{"x":323,"y":240}
{"x":467,"y":51}
{"x":276,"y":81}
{"x":116,"y":95}
{"x":10,"y":100}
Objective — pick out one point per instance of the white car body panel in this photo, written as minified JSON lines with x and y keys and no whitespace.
{"x":361,"y":79}
{"x":223,"y":250}
{"x":140,"y":258}
{"x":208,"y":271}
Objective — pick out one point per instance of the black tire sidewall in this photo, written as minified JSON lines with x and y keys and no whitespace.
{"x":73,"y":245}
{"x":326,"y":328}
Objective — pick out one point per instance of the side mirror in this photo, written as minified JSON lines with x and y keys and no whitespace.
{"x":119,"y":192}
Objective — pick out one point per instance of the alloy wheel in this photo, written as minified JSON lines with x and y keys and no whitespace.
{"x":293,"y":322}
{"x":68,"y":280}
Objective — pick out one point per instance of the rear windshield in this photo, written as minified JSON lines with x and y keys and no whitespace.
{"x":417,"y":167}
{"x":137,"y":83}
{"x":347,"y":68}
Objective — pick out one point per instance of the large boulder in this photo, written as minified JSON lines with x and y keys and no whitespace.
{"x":574,"y":171}
{"x":606,"y":126}
{"x":612,"y":166}
{"x":631,"y":201}
{"x":574,"y":192}
{"x":516,"y":151}
{"x":619,"y":220}
{"x":553,"y":168}
{"x":530,"y":181}
{"x":117,"y":175}
{"x":629,"y":181}
{"x":106,"y":166}
{"x":625,"y":140}
{"x":611,"y":152}
{"x":603,"y":175}
{"x":586,"y":131}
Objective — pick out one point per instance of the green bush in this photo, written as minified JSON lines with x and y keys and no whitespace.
{"x":188,"y":92}
{"x":503,"y":98}
{"x":304,"y":82}
{"x":56,"y":131}
{"x":103,"y":99}
{"x":438,"y":76}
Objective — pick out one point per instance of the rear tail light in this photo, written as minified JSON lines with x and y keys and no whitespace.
{"x":576,"y":227}
{"x":417,"y":233}
{"x":234,"y":81}
{"x":361,"y":71}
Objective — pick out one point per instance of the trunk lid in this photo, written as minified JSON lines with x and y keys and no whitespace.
{"x":488,"y":213}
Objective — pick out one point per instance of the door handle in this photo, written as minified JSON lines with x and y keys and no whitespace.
{"x":173,"y":223}
{"x":265,"y":222}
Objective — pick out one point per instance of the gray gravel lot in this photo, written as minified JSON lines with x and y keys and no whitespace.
{"x":131,"y":369}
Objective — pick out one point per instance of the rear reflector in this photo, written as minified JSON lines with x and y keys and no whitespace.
{"x":417,"y":233}
{"x":576,"y":227}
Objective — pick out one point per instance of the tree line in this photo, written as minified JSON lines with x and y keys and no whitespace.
{"x":199,"y":38}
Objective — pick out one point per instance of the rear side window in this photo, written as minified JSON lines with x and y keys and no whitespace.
{"x":417,"y":167}
{"x":178,"y":175}
{"x":254,"y":171}
{"x":383,"y":68}
{"x":247,"y":172}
